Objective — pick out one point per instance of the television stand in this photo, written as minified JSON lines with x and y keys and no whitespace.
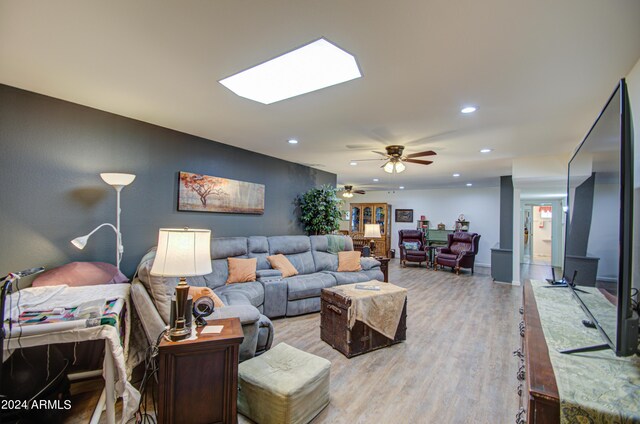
{"x":602,"y":375}
{"x":564,"y":285}
{"x":593,"y":348}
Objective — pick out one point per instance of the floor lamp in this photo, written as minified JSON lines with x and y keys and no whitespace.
{"x":117,"y":181}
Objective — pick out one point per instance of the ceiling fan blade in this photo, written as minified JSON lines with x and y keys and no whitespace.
{"x":426,"y":153}
{"x":359,"y":191}
{"x":421,"y":162}
{"x":364,"y":160}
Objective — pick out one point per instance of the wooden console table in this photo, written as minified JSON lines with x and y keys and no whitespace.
{"x":596,"y":387}
{"x":205,"y":369}
{"x":539,"y":398}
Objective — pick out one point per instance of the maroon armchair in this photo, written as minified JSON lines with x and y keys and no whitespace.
{"x":460,"y":252}
{"x":417,"y":254}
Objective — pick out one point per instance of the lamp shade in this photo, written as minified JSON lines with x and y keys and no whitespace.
{"x":116,"y":179}
{"x":182,"y":252}
{"x":372,"y":231}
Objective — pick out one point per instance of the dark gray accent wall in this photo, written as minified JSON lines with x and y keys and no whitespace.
{"x":53,"y":152}
{"x":506,"y":212}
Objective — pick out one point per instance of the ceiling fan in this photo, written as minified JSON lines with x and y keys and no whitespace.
{"x":349,"y":191}
{"x":395,"y":159}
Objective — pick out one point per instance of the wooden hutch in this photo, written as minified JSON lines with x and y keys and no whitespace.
{"x":371,"y":213}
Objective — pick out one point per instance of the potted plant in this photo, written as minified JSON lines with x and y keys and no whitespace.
{"x":320,"y":210}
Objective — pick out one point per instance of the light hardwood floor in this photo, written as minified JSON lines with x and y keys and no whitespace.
{"x":456,"y":365}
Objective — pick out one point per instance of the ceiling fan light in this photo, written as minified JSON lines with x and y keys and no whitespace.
{"x":347,"y":194}
{"x":388,"y":167}
{"x":400,"y":167}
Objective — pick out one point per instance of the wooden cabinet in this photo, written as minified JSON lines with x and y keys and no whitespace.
{"x":198,"y":379}
{"x":370,"y":213}
{"x":539,"y":398}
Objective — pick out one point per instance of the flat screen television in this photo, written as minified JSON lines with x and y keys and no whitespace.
{"x":599,"y":225}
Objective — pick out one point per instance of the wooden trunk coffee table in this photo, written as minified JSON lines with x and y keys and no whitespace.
{"x":334,"y":325}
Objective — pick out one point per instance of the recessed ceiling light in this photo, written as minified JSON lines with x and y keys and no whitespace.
{"x":486,"y":150}
{"x":375,"y":180}
{"x":456,"y":175}
{"x":401,"y":187}
{"x":353,"y":163}
{"x":309,"y":68}
{"x":292,"y":141}
{"x":469,"y":184}
{"x":468,"y":109}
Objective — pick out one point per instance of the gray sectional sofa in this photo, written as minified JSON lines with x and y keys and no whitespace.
{"x":270,"y":296}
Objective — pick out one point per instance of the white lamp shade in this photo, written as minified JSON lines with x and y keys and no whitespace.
{"x":182,"y":252}
{"x":388,"y":167}
{"x":372,"y":231}
{"x":80,"y":242}
{"x":400,"y":167}
{"x":117,"y":179}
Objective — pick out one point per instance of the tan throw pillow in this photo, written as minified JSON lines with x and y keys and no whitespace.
{"x":242,"y":270}
{"x":282,"y":264}
{"x":198,"y":292}
{"x":349,"y":261}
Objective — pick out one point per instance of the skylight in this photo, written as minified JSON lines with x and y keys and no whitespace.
{"x":309,"y":68}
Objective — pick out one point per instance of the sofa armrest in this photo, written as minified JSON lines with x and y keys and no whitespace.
{"x":246,"y":313}
{"x":151,"y":320}
{"x":369,"y":263}
{"x":275,"y":296}
{"x":268,"y":274}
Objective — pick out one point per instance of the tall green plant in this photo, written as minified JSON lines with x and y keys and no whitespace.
{"x":320,"y":210}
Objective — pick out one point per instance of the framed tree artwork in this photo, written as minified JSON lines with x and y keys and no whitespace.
{"x":204,"y":193}
{"x":404,"y":215}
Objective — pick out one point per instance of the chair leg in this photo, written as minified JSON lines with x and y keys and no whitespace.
{"x":457,"y":269}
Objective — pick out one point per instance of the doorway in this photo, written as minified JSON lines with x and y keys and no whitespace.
{"x":541,"y":239}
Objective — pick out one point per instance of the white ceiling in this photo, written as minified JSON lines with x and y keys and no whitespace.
{"x":538,"y":71}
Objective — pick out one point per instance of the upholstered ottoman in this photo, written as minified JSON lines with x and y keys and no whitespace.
{"x":283,"y":385}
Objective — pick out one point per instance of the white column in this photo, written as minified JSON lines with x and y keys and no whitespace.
{"x":517,"y":234}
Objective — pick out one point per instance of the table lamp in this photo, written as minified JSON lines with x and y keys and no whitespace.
{"x":372,"y":231}
{"x":117,"y":181}
{"x":182,"y":252}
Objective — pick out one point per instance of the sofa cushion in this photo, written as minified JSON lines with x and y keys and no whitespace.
{"x":253,"y":292}
{"x":198,"y":292}
{"x":288,"y":245}
{"x":309,"y":285}
{"x":241,"y":270}
{"x":368,"y":263}
{"x":281,"y":263}
{"x":349,"y":261}
{"x":351,"y":277}
{"x":258,"y":247}
{"x":323,"y":260}
{"x":225,"y":247}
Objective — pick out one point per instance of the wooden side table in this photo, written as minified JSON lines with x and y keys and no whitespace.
{"x":198,"y":381}
{"x":384,"y":266}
